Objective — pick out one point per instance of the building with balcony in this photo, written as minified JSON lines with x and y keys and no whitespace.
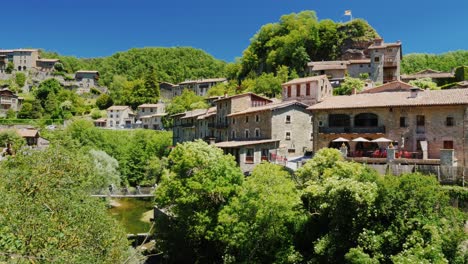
{"x":150,"y":115}
{"x":419,"y":122}
{"x":385,"y":60}
{"x":46,"y":65}
{"x":22,"y":59}
{"x":120,"y":116}
{"x":9,"y":101}
{"x":334,"y":70}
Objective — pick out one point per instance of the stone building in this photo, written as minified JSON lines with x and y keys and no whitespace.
{"x":9,"y":100}
{"x":385,"y":61}
{"x":199,"y":87}
{"x":395,"y":86}
{"x":419,"y":122}
{"x":436,"y":76}
{"x":150,"y":115}
{"x":46,"y":65}
{"x":308,"y":90}
{"x":334,"y":70}
{"x":86,"y":80}
{"x":120,"y":116}
{"x":358,"y":67}
{"x":167,"y":89}
{"x":23,"y":59}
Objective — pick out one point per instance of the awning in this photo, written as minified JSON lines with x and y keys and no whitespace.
{"x":360,"y":139}
{"x":382,"y":139}
{"x":340,"y":139}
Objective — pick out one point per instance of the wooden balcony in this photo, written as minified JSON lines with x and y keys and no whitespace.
{"x":5,"y":101}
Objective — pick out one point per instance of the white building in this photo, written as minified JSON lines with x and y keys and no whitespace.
{"x":120,"y":116}
{"x":150,"y":115}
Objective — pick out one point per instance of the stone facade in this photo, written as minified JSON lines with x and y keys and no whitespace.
{"x":120,"y":117}
{"x":150,"y":116}
{"x":23,"y":59}
{"x":167,"y":90}
{"x":46,"y":65}
{"x":199,"y":87}
{"x":9,"y":100}
{"x":86,"y":80}
{"x":385,"y":61}
{"x":308,"y":90}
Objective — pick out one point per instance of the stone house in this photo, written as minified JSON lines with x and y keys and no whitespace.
{"x":46,"y":65}
{"x":150,"y":115}
{"x":86,"y":80}
{"x":23,"y":59}
{"x":385,"y":61}
{"x":166,"y":89}
{"x":199,"y":87}
{"x":395,"y":86}
{"x":308,"y":90}
{"x":9,"y":100}
{"x":120,"y":116}
{"x":186,"y":126}
{"x":358,"y":67}
{"x":334,"y":70}
{"x":436,"y":76}
{"x":419,"y":122}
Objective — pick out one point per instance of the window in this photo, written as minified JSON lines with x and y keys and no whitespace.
{"x":448,"y":144}
{"x":449,"y":121}
{"x":420,"y":120}
{"x":233,"y":134}
{"x":291,"y":150}
{"x":142,"y":110}
{"x":265,"y":154}
{"x":249,"y":155}
{"x":151,"y":110}
{"x":111,"y":116}
{"x":257,"y":132}
{"x":288,"y":119}
{"x":247,"y":133}
{"x":298,"y":90}
{"x":257,"y":118}
{"x":289,"y":91}
{"x":339,"y":120}
{"x":246,"y":119}
{"x":288,"y":135}
{"x":366,"y":120}
{"x":311,"y":136}
{"x":308,"y":89}
{"x":403,"y":122}
{"x":233,"y":121}
{"x":360,"y":65}
{"x":376,"y":59}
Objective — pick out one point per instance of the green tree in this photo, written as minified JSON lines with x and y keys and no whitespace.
{"x":48,"y":215}
{"x":268,"y":84}
{"x":10,"y":114}
{"x":104,"y":101}
{"x":26,"y":111}
{"x":59,"y":67}
{"x":106,"y":169}
{"x":20,"y":79}
{"x":10,"y":67}
{"x":188,"y":100}
{"x":349,"y":86}
{"x":152,"y":85}
{"x":11,"y":137}
{"x":424,"y":83}
{"x":259,"y":224}
{"x":201,"y":180}
{"x":46,"y":87}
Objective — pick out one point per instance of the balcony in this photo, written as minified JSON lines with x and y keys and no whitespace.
{"x":5,"y":101}
{"x":349,"y":130}
{"x":390,"y":62}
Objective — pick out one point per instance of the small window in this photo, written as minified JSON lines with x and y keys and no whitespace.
{"x":142,"y":110}
{"x":289,"y":91}
{"x":249,"y":155}
{"x":420,"y":120}
{"x":288,"y":135}
{"x":360,"y":65}
{"x":311,"y":136}
{"x":233,"y":121}
{"x":291,"y":151}
{"x":257,"y":132}
{"x":111,"y":116}
{"x":247,"y":133}
{"x":448,"y":144}
{"x":233,"y":134}
{"x":449,"y":121}
{"x":288,"y":119}
{"x":376,"y":59}
{"x":403,"y":122}
{"x":257,"y":118}
{"x":298,"y":90}
{"x":246,"y":119}
{"x":308,"y":89}
{"x":265,"y":154}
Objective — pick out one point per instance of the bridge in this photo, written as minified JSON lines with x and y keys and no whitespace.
{"x":142,"y":192}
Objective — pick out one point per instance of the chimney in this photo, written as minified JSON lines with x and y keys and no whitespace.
{"x":212,"y":141}
{"x":378,"y":42}
{"x":414,"y":92}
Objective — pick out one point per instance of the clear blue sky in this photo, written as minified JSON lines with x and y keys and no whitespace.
{"x":93,"y":28}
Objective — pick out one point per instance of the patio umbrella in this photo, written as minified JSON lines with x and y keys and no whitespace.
{"x":360,"y":139}
{"x":382,"y":139}
{"x":340,"y":139}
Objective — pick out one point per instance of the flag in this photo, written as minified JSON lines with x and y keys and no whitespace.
{"x":347,"y":12}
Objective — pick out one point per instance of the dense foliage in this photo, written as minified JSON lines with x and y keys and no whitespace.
{"x":299,"y":38}
{"x":329,"y":211}
{"x":47,"y":215}
{"x":445,"y":62}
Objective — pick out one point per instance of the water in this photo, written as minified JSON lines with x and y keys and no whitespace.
{"x":130,"y":212}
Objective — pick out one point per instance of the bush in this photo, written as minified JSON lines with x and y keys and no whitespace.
{"x":20,"y":79}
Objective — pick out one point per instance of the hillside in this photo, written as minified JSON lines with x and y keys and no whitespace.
{"x":172,"y":64}
{"x":441,"y":62}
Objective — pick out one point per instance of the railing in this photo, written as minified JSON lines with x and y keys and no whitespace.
{"x":391,"y":61}
{"x":6,"y":101}
{"x":346,"y":130}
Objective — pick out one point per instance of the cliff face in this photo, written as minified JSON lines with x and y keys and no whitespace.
{"x":356,"y":36}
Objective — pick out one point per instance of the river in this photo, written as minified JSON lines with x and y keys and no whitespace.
{"x":130,"y":213}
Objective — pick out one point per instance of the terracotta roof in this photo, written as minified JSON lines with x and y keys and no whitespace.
{"x":194,"y":113}
{"x":394,"y":99}
{"x":305,"y":79}
{"x":118,"y":107}
{"x":428,"y":74}
{"x":150,"y":105}
{"x":233,"y":144}
{"x":394,"y":86}
{"x":268,"y":107}
{"x":327,"y":65}
{"x":359,"y":61}
{"x":153,"y":115}
{"x":313,"y":63}
{"x":100,"y":120}
{"x":204,"y":80}
{"x":385,"y":45}
{"x":210,"y":112}
{"x":242,"y":95}
{"x":28,"y":132}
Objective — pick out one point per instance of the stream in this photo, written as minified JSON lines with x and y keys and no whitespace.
{"x":130,"y":213}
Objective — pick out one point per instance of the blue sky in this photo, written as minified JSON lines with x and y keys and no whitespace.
{"x":93,"y":28}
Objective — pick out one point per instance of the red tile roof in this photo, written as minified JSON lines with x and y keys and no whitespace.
{"x":268,"y":107}
{"x":233,"y":144}
{"x":394,"y":86}
{"x":305,"y":79}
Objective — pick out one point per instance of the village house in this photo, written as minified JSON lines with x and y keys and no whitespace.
{"x":46,"y":65}
{"x":308,"y":90}
{"x":420,"y":123}
{"x":86,"y":80}
{"x":166,"y":89}
{"x":436,"y":76}
{"x":151,"y":115}
{"x":395,"y":86}
{"x":9,"y":100}
{"x":199,"y":87}
{"x":120,"y":116}
{"x":334,"y":70}
{"x":23,"y":59}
